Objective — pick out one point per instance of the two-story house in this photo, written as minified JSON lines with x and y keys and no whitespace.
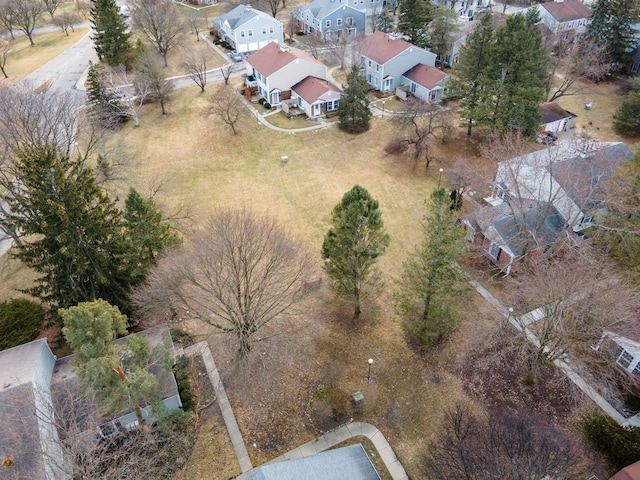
{"x":385,"y":57}
{"x":564,"y":18}
{"x":247,"y":29}
{"x":329,"y":19}
{"x":276,"y":68}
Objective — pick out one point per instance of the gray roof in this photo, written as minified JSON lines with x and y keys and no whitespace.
{"x":347,"y":463}
{"x":18,"y":364}
{"x":321,"y":8}
{"x":240,"y":15}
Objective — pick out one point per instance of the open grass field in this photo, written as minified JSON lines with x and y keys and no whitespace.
{"x":24,"y":58}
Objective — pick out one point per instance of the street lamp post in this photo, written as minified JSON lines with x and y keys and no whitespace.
{"x":370,"y":361}
{"x":383,"y":108}
{"x":440,"y":176}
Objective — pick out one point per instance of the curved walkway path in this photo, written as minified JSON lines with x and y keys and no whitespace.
{"x":324,"y":442}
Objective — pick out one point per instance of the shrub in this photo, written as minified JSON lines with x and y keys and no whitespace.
{"x":181,"y":372}
{"x":267,"y":105}
{"x":396,"y":147}
{"x":261,"y":101}
{"x":181,"y":337}
{"x":20,"y":322}
{"x":620,"y":445}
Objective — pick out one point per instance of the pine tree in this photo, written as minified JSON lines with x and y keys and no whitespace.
{"x":442,"y":29}
{"x":149,"y":236}
{"x":111,"y":38}
{"x":353,"y":109}
{"x":626,"y":120}
{"x":116,"y":374}
{"x":352,"y":246}
{"x":430,"y":281}
{"x":72,"y":231}
{"x":471,"y":78}
{"x":414,"y":19}
{"x":384,"y":22}
{"x":612,"y":24}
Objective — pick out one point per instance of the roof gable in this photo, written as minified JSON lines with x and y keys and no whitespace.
{"x":426,"y":76}
{"x":242,"y":14}
{"x":552,"y":112}
{"x":311,"y":89}
{"x":382,"y":47}
{"x":18,"y":364}
{"x":567,"y":10}
{"x":272,"y":57}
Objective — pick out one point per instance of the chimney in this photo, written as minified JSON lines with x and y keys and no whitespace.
{"x":284,"y":48}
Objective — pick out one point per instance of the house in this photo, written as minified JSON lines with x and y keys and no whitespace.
{"x":385,"y":57}
{"x":425,"y":82}
{"x":247,"y":29}
{"x":505,"y":233}
{"x":316,"y":97}
{"x":38,"y":394}
{"x":274,"y":69}
{"x":466,"y":9}
{"x":555,"y":119}
{"x":29,"y":441}
{"x":570,"y":175}
{"x":564,"y":18}
{"x":346,"y":463}
{"x":329,"y":19}
{"x":623,"y":345}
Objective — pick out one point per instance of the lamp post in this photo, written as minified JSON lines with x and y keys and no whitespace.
{"x":510,"y":314}
{"x":440,"y":176}
{"x":383,"y":108}
{"x":370,"y":362}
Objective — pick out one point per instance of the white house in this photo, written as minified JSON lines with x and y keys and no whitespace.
{"x":274,"y":69}
{"x":385,"y":57}
{"x":564,"y":18}
{"x":425,"y":82}
{"x":247,"y":29}
{"x":555,"y":118}
{"x":316,"y":97}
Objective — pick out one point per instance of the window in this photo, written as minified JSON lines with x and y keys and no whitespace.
{"x":587,"y":219}
{"x":241,"y":33}
{"x":300,"y":102}
{"x":250,"y":33}
{"x":370,"y":63}
{"x":349,"y":21}
{"x":377,"y":67}
{"x":332,"y":105}
{"x":339,"y":22}
{"x":412,"y":89}
{"x":636,"y":370}
{"x":494,"y":251}
{"x":271,"y":30}
{"x":264,"y":30}
{"x":327,"y":23}
{"x":624,"y":357}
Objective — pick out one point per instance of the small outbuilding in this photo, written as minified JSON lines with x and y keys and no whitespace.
{"x":555,"y":118}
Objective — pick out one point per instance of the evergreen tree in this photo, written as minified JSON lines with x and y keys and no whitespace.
{"x":104,"y":103}
{"x":353,"y":109}
{"x":72,"y":231}
{"x":414,"y":19}
{"x":518,"y":71}
{"x":352,"y":246}
{"x":111,"y":38}
{"x":472,"y":73}
{"x":612,"y":24}
{"x":626,"y":120}
{"x":430,"y":281}
{"x":149,"y":236}
{"x":116,"y":374}
{"x":384,"y":21}
{"x":442,"y":29}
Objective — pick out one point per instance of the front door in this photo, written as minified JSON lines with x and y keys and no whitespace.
{"x":316,"y":109}
{"x":275,"y":98}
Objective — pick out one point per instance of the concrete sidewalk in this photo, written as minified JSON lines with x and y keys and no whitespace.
{"x":339,"y":435}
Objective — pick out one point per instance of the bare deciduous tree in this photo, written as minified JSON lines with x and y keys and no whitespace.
{"x":581,"y":60}
{"x":502,"y":445}
{"x":225,"y":71}
{"x":159,"y":22}
{"x":7,"y":17}
{"x":274,"y":6}
{"x":195,"y":65}
{"x":66,"y":21}
{"x":5,"y":48}
{"x":228,"y":106}
{"x":197,"y":22}
{"x":338,"y":48}
{"x":84,"y":8}
{"x":52,"y":5}
{"x":152,"y":80}
{"x":239,"y":273}
{"x":25,"y":15}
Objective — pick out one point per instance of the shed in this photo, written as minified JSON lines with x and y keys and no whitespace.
{"x":555,"y":118}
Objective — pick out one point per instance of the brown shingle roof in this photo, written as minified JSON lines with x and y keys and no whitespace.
{"x":426,"y":76}
{"x":271,"y":58}
{"x":382,"y":47}
{"x":312,"y":88}
{"x":567,"y":10}
{"x":632,"y":472}
{"x":552,"y":112}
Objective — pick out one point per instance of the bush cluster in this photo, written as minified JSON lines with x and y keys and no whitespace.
{"x":181,"y":372}
{"x":20,"y":322}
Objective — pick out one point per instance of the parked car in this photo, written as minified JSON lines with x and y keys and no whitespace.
{"x":235,"y":56}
